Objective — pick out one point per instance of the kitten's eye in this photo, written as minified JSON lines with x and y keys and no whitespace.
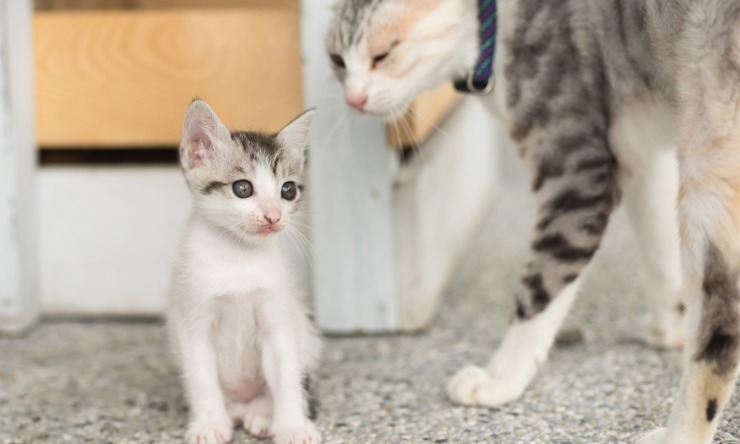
{"x":242,"y":189}
{"x":337,"y":60}
{"x":289,"y":191}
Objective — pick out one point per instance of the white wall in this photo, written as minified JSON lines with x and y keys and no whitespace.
{"x":108,"y":236}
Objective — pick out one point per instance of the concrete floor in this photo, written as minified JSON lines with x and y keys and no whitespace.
{"x":113,"y":382}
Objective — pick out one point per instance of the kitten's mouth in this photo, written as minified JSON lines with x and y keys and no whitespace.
{"x":269,"y":229}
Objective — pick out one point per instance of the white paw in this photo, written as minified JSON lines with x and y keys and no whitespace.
{"x":209,"y":433}
{"x":473,"y":386}
{"x":664,"y":333}
{"x":298,"y":435}
{"x":258,"y":424}
{"x":657,"y":436}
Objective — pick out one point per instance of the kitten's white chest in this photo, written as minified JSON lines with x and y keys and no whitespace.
{"x":219,"y":265}
{"x":235,"y":340}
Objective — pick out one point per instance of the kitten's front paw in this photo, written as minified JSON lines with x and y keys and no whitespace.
{"x":298,"y":435}
{"x":258,"y":424}
{"x":473,"y":386}
{"x":209,"y":433}
{"x":657,"y":436}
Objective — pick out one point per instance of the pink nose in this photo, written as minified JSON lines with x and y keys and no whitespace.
{"x":357,"y":102}
{"x":272,"y":218}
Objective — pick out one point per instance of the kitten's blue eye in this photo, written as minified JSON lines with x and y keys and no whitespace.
{"x":242,"y":189}
{"x":289,"y":191}
{"x":337,"y":60}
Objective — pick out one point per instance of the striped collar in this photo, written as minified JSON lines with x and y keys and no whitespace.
{"x":480,"y":79}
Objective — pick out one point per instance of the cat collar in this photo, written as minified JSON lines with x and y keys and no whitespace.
{"x":480,"y":79}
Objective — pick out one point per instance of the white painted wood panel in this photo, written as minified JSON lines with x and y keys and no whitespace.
{"x":18,"y":298}
{"x":351,"y":170}
{"x":109,"y":235}
{"x":441,"y":199}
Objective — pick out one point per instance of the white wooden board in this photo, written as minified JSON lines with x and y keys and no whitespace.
{"x":18,"y":303}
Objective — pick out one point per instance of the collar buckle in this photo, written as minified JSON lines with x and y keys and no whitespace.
{"x":476,"y":87}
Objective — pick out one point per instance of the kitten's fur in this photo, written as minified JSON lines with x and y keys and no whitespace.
{"x":242,"y":338}
{"x":595,"y":94}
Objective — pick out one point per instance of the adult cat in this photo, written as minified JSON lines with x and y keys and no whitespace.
{"x":594,"y":94}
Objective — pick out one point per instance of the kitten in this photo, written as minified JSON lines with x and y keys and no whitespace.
{"x":242,"y":338}
{"x":595,"y":95}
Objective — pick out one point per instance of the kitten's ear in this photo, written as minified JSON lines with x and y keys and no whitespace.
{"x":294,"y":136}
{"x":201,"y":133}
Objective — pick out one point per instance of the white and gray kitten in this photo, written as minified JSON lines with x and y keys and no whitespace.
{"x":596,"y":96}
{"x":241,"y":335}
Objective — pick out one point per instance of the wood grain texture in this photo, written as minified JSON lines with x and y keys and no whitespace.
{"x":124,"y":78}
{"x":82,"y":5}
{"x":425,"y":114}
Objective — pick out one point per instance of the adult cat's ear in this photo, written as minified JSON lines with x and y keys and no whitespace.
{"x":294,"y":136}
{"x":201,"y":133}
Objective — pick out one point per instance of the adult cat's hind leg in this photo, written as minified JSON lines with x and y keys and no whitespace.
{"x":576,"y":184}
{"x":709,"y":217}
{"x":649,"y":178}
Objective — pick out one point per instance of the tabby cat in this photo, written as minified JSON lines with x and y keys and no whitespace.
{"x":596,"y":96}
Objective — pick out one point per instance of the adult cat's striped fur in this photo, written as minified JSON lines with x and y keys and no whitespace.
{"x":595,"y":95}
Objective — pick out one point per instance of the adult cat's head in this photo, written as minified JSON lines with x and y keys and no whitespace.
{"x":247,"y":183}
{"x":387,"y":51}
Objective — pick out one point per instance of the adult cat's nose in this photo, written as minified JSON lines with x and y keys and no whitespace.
{"x":357,"y":102}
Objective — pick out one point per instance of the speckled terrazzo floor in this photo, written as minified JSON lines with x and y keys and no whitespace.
{"x":112,"y":382}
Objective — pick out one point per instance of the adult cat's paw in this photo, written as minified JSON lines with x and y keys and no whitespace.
{"x":657,"y":436}
{"x":473,"y":386}
{"x":666,"y":333}
{"x":209,"y":433}
{"x":298,"y":435}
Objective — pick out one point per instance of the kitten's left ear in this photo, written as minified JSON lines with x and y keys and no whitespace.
{"x":202,"y":132}
{"x":294,"y":136}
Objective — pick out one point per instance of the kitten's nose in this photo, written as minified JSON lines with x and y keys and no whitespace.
{"x":272,"y":217}
{"x":357,"y":102}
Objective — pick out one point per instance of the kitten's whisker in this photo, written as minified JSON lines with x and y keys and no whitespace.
{"x":306,"y":242}
{"x":299,"y":247}
{"x":306,"y":249}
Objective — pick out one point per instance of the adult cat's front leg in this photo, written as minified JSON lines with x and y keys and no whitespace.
{"x":575,"y":180}
{"x":515,"y":363}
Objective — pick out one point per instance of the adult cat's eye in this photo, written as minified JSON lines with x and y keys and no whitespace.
{"x":337,"y":60}
{"x":288,"y":191}
{"x":379,"y":58}
{"x":242,"y":189}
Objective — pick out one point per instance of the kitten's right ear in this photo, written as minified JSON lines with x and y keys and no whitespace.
{"x":294,"y":136}
{"x":201,"y":132}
